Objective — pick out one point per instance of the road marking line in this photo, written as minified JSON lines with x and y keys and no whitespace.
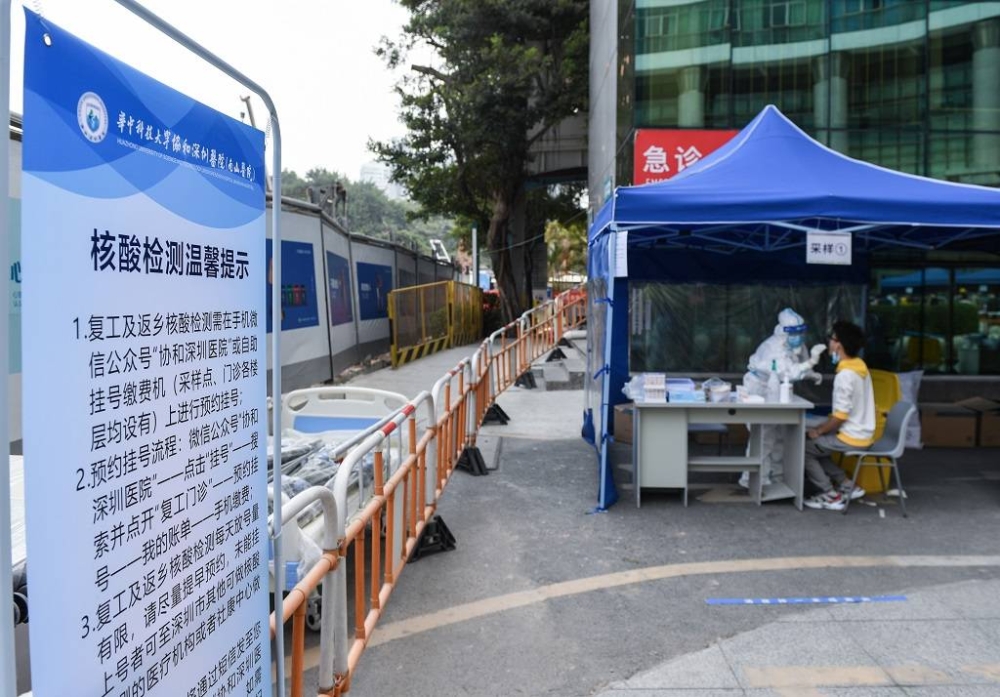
{"x":501,"y":603}
{"x":918,"y":675}
{"x":815,"y":676}
{"x":488,"y":606}
{"x":989,"y":670}
{"x":796,"y":679}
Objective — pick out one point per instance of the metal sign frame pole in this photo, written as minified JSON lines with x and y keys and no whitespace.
{"x":209,"y":57}
{"x":7,"y":664}
{"x":8,"y":684}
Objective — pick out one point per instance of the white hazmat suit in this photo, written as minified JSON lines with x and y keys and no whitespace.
{"x":785,"y":349}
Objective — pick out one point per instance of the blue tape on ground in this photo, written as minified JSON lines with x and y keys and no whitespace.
{"x":813,"y":600}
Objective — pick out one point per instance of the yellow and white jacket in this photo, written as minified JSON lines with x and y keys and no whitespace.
{"x":854,"y":402}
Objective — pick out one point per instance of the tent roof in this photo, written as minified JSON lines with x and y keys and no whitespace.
{"x":772,"y":182}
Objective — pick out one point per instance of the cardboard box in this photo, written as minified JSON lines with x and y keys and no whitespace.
{"x":708,"y":437}
{"x":736,"y":434}
{"x":989,"y":429}
{"x":979,"y":404}
{"x":947,"y":426}
{"x":987,"y":420}
{"x":623,"y":423}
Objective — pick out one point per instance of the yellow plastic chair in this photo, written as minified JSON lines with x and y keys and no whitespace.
{"x":887,"y":393}
{"x":924,"y":350}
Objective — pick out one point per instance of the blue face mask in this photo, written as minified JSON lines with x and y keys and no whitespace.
{"x":835,"y":358}
{"x":796,"y":340}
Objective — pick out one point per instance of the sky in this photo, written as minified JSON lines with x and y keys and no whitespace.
{"x":313,"y":57}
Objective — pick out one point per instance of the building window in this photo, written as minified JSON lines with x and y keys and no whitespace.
{"x":853,"y":7}
{"x":785,"y":13}
{"x":935,"y":319}
{"x":658,"y":24}
{"x":719,"y":17}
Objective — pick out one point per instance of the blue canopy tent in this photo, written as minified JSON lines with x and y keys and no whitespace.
{"x":743,"y":214}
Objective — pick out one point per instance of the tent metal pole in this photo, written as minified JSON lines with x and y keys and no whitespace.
{"x":606,"y":384}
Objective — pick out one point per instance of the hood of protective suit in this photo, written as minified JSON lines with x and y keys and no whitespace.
{"x":788,"y":318}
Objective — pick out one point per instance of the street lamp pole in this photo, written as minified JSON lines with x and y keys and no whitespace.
{"x":475,"y":256}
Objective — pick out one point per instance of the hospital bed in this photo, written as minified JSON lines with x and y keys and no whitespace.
{"x":319,"y":427}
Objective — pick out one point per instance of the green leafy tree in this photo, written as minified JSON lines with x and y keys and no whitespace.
{"x":567,"y":246}
{"x":370,"y":212}
{"x":557,"y":212}
{"x":505,"y":72}
{"x":292,"y":185}
{"x":367,"y":210}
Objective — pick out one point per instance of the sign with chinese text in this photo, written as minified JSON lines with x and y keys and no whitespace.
{"x":621,"y":254}
{"x":828,"y":248}
{"x":662,"y":153}
{"x":144,"y":383}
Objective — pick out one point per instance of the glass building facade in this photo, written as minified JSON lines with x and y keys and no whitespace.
{"x":913,"y":85}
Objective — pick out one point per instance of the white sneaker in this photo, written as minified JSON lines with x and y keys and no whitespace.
{"x":848,"y":488}
{"x":829,"y":500}
{"x":744,"y":481}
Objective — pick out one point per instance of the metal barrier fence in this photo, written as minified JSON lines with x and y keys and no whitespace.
{"x":431,"y":317}
{"x":415,"y":452}
{"x":467,"y":313}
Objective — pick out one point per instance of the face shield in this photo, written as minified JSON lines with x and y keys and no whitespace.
{"x":794,"y":328}
{"x":795,"y":340}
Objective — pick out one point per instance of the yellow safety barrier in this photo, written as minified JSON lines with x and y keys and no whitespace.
{"x":383,"y":535}
{"x":467,"y":313}
{"x":431,"y":317}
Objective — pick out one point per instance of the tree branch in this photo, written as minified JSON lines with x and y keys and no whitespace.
{"x":432,"y":72}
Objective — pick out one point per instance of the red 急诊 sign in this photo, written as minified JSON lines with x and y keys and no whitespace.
{"x":661,"y":153}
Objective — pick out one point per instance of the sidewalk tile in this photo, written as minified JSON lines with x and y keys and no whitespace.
{"x":704,"y":669}
{"x":938,"y":645}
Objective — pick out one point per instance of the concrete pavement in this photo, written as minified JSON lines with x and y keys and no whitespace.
{"x":545,"y":597}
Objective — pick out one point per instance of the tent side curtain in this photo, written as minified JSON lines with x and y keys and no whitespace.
{"x":597,"y":257}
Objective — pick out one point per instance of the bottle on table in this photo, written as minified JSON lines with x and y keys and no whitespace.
{"x":786,"y":391}
{"x":773,"y":383}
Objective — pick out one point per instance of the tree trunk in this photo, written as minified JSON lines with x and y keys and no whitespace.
{"x":500,"y":253}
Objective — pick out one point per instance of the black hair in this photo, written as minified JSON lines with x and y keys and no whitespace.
{"x":850,"y":336}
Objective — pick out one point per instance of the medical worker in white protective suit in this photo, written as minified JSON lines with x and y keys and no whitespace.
{"x":785,"y":349}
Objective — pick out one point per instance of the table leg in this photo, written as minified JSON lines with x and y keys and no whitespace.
{"x":637,"y":455}
{"x":794,"y":460}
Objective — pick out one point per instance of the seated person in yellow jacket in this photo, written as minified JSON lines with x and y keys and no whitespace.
{"x":851,"y":425}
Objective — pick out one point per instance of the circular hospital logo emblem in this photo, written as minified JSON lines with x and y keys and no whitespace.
{"x":92,"y":117}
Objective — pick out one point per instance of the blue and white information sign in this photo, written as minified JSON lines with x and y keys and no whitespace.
{"x":144,"y":383}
